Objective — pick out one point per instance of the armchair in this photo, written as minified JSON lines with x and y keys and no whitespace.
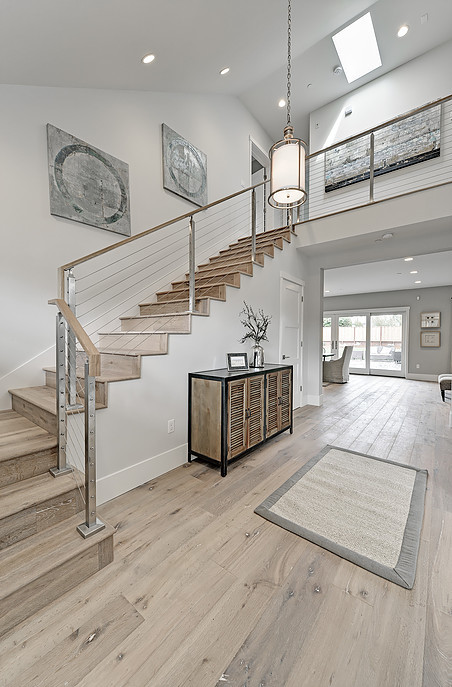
{"x":337,"y":370}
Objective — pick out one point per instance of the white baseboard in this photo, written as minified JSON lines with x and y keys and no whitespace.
{"x":124,"y":480}
{"x":314,"y":400}
{"x":422,"y":378}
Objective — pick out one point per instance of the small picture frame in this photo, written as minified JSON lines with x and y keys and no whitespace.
{"x":430,"y":320}
{"x":430,"y":339}
{"x":237,"y":361}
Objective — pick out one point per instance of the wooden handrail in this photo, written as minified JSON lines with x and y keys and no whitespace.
{"x":85,"y":258}
{"x":86,"y":343}
{"x":380,"y":126}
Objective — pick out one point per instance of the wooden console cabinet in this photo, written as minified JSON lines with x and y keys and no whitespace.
{"x":229,"y":413}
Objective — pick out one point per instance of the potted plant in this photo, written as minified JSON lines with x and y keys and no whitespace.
{"x":256,"y":325}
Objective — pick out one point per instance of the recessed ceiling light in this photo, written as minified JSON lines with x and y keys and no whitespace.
{"x":326,"y":291}
{"x":282,"y":103}
{"x":224,"y":71}
{"x":147,"y":59}
{"x":413,"y":272}
{"x":418,"y":282}
{"x":388,"y":236}
{"x":357,"y":48}
{"x":403,"y":31}
{"x":408,"y":259}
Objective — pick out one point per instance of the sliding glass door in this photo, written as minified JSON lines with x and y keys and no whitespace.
{"x":378,"y":338}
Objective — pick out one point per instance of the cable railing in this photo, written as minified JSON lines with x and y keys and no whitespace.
{"x":377,"y":164}
{"x":107,"y":286}
{"x":76,"y":410}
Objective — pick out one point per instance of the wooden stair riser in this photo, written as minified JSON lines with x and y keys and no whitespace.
{"x":174,"y":324}
{"x":40,"y":516}
{"x":285,"y":234}
{"x":240,"y":253}
{"x":226,"y":262}
{"x":147,"y":343}
{"x":208,"y":269}
{"x":202,"y":307}
{"x":231,"y":278}
{"x":101,"y":387}
{"x":41,"y":417}
{"x":126,"y":365}
{"x":85,"y":558}
{"x":25,"y":467}
{"x":217,"y":291}
{"x":240,"y":249}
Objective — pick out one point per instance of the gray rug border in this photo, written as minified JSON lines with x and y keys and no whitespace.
{"x":403,"y":574}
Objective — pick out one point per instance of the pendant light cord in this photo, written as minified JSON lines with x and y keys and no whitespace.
{"x":289,"y":41}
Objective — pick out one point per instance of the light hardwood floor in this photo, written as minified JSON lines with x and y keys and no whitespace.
{"x":205,"y":593}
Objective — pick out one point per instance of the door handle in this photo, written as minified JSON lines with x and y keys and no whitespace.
{"x":285,"y":356}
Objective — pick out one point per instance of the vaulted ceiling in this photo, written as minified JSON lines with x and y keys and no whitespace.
{"x":99,"y":44}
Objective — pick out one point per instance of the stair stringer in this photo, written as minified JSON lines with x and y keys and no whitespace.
{"x":133,"y":444}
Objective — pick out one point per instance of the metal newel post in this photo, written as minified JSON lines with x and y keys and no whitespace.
{"x":191,"y":265}
{"x":253,"y":225}
{"x":371,"y":167}
{"x":71,"y":343}
{"x":264,"y":187}
{"x":92,"y":523}
{"x":62,"y":467}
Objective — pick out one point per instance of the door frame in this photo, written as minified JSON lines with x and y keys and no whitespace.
{"x":297,"y":383}
{"x":368,"y":370}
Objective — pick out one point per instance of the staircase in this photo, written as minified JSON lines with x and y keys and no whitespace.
{"x":41,"y":554}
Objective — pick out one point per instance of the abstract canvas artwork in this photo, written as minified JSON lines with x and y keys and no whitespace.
{"x":86,"y":184}
{"x":401,"y":144}
{"x":184,"y":168}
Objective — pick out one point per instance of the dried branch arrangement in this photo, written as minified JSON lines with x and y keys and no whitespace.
{"x":256,"y":324}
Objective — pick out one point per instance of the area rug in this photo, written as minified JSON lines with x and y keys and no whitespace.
{"x":364,"y":509}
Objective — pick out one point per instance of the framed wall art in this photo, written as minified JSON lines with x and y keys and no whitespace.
{"x":404,"y":143}
{"x":430,"y":339}
{"x":184,"y":168}
{"x":86,"y":184}
{"x":430,"y":319}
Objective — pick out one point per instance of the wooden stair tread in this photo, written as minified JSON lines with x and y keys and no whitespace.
{"x":20,"y":437}
{"x":184,"y":288}
{"x":30,"y":492}
{"x":32,"y":558}
{"x":42,"y":396}
{"x":178,"y":300}
{"x":103,"y":378}
{"x":124,"y":351}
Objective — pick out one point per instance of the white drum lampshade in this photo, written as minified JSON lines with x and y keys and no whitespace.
{"x":288,"y":175}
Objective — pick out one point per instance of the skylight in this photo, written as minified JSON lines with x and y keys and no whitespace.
{"x":357,"y":48}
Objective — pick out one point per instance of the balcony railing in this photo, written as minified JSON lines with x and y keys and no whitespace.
{"x":375,"y":165}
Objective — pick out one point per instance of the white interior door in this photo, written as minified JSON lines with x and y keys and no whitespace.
{"x":291,"y":341}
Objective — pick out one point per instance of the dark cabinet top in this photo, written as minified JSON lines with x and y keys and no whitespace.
{"x":224,"y":373}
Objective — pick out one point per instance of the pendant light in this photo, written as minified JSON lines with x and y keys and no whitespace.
{"x":287,"y":157}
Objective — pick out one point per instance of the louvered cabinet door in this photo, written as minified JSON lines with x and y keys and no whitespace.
{"x":285,"y":395}
{"x":237,"y":438}
{"x":273,"y":411}
{"x":255,"y":405}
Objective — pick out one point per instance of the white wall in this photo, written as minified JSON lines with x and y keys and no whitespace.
{"x":133,"y":443}
{"x":415,"y":83}
{"x":127,"y":125}
{"x":431,"y":361}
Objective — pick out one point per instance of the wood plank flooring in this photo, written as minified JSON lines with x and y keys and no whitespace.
{"x":204,"y":593}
